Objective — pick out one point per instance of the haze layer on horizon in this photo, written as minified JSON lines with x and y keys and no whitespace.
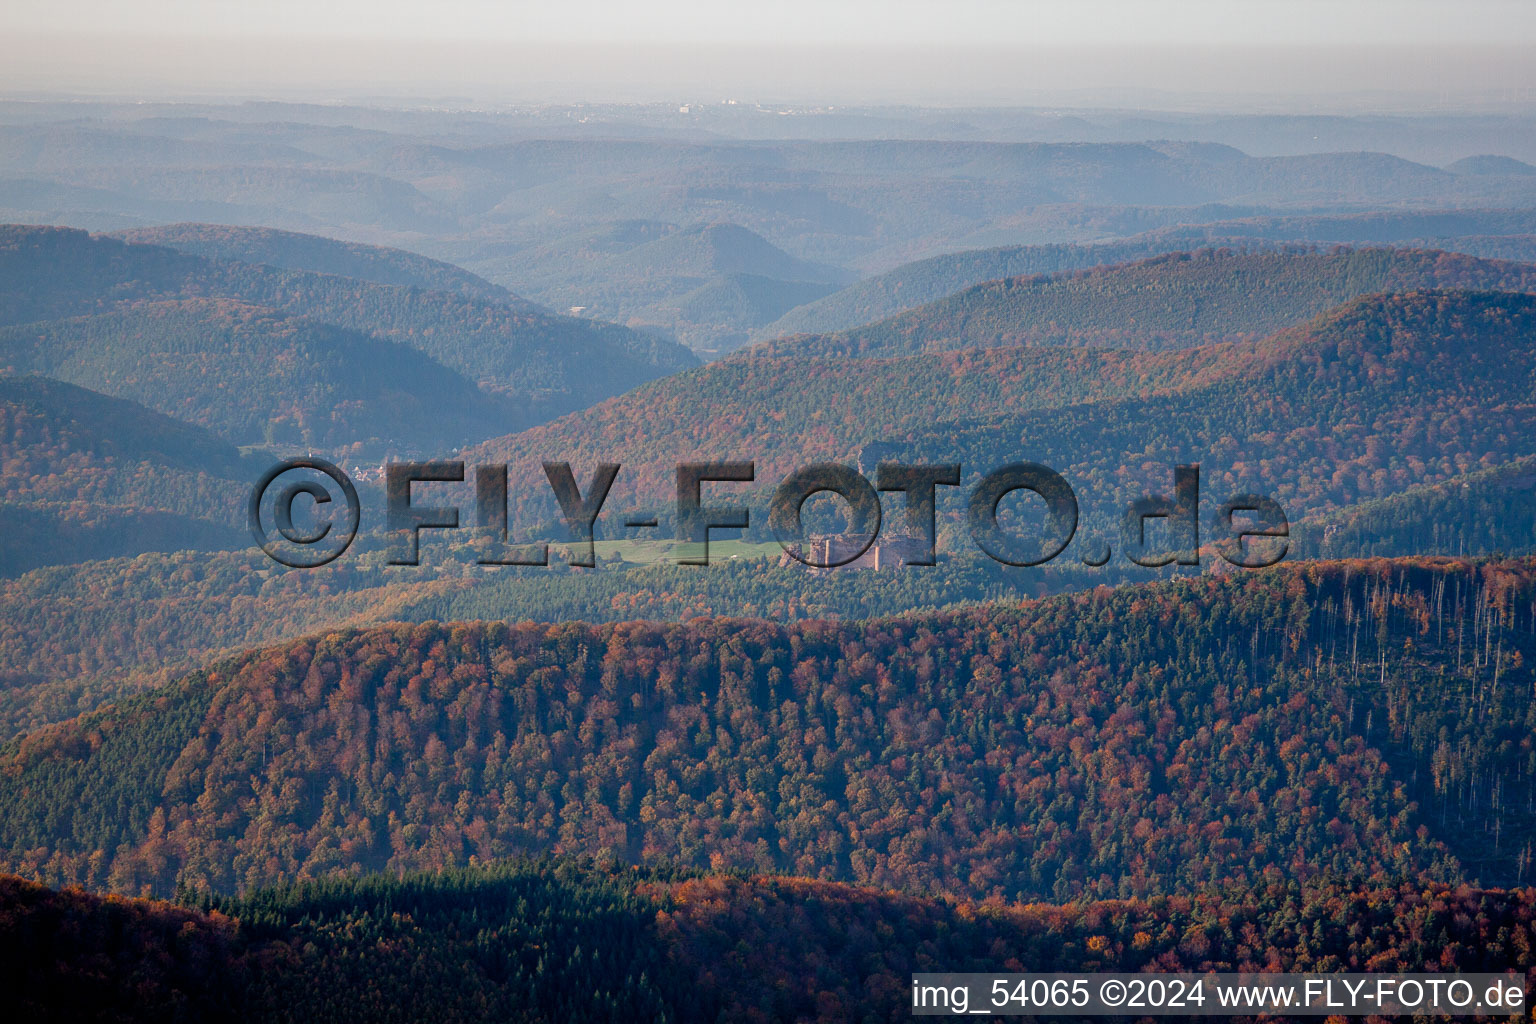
{"x":1239,"y":54}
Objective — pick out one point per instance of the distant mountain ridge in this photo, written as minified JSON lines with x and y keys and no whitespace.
{"x":292,"y":250}
{"x":713,"y":250}
{"x":919,"y":283}
{"x":541,"y":364}
{"x":708,"y":284}
{"x":1491,"y":164}
{"x":1176,"y":300}
{"x":1490,"y":234}
{"x":456,"y":186}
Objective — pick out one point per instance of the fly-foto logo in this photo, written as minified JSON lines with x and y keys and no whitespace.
{"x":273,"y":520}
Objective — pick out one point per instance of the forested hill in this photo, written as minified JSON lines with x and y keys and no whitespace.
{"x":704,"y":283}
{"x":1380,"y":395}
{"x":1371,"y":719}
{"x":1428,"y":228}
{"x":1172,"y":301}
{"x":1367,"y":400}
{"x":39,"y":411}
{"x":1377,"y":399}
{"x":1485,"y":511}
{"x":91,"y":476}
{"x":928,"y":280}
{"x":544,"y":942}
{"x":256,"y":375}
{"x":147,"y":616}
{"x":547,"y":364}
{"x":74,"y":637}
{"x":295,"y":251}
{"x":1492,"y":234}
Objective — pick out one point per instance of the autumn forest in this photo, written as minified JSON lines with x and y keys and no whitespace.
{"x":633,"y":788}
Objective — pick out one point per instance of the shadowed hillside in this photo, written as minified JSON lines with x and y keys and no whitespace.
{"x":563,"y":941}
{"x":88,"y":476}
{"x":1490,"y":510}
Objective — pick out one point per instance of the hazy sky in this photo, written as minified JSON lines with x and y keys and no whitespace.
{"x":837,"y":50}
{"x":898,"y":22}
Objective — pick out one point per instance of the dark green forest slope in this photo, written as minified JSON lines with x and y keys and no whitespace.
{"x":75,"y":636}
{"x":1484,"y":512}
{"x":569,"y":942}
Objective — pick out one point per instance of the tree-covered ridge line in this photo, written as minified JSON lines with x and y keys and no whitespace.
{"x":704,"y":283}
{"x":521,"y":942}
{"x":1370,"y":718}
{"x":1173,"y":300}
{"x":156,"y":613}
{"x":260,"y":355}
{"x":1487,"y":234}
{"x":77,"y":636}
{"x":767,"y":401}
{"x":42,"y":533}
{"x":259,"y":376}
{"x":39,"y":412}
{"x":1481,"y":513}
{"x":548,"y":364}
{"x":1373,"y":397}
{"x":912,"y":285}
{"x":540,"y":942}
{"x":293,"y":250}
{"x":1424,"y":229}
{"x":84,"y":475}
